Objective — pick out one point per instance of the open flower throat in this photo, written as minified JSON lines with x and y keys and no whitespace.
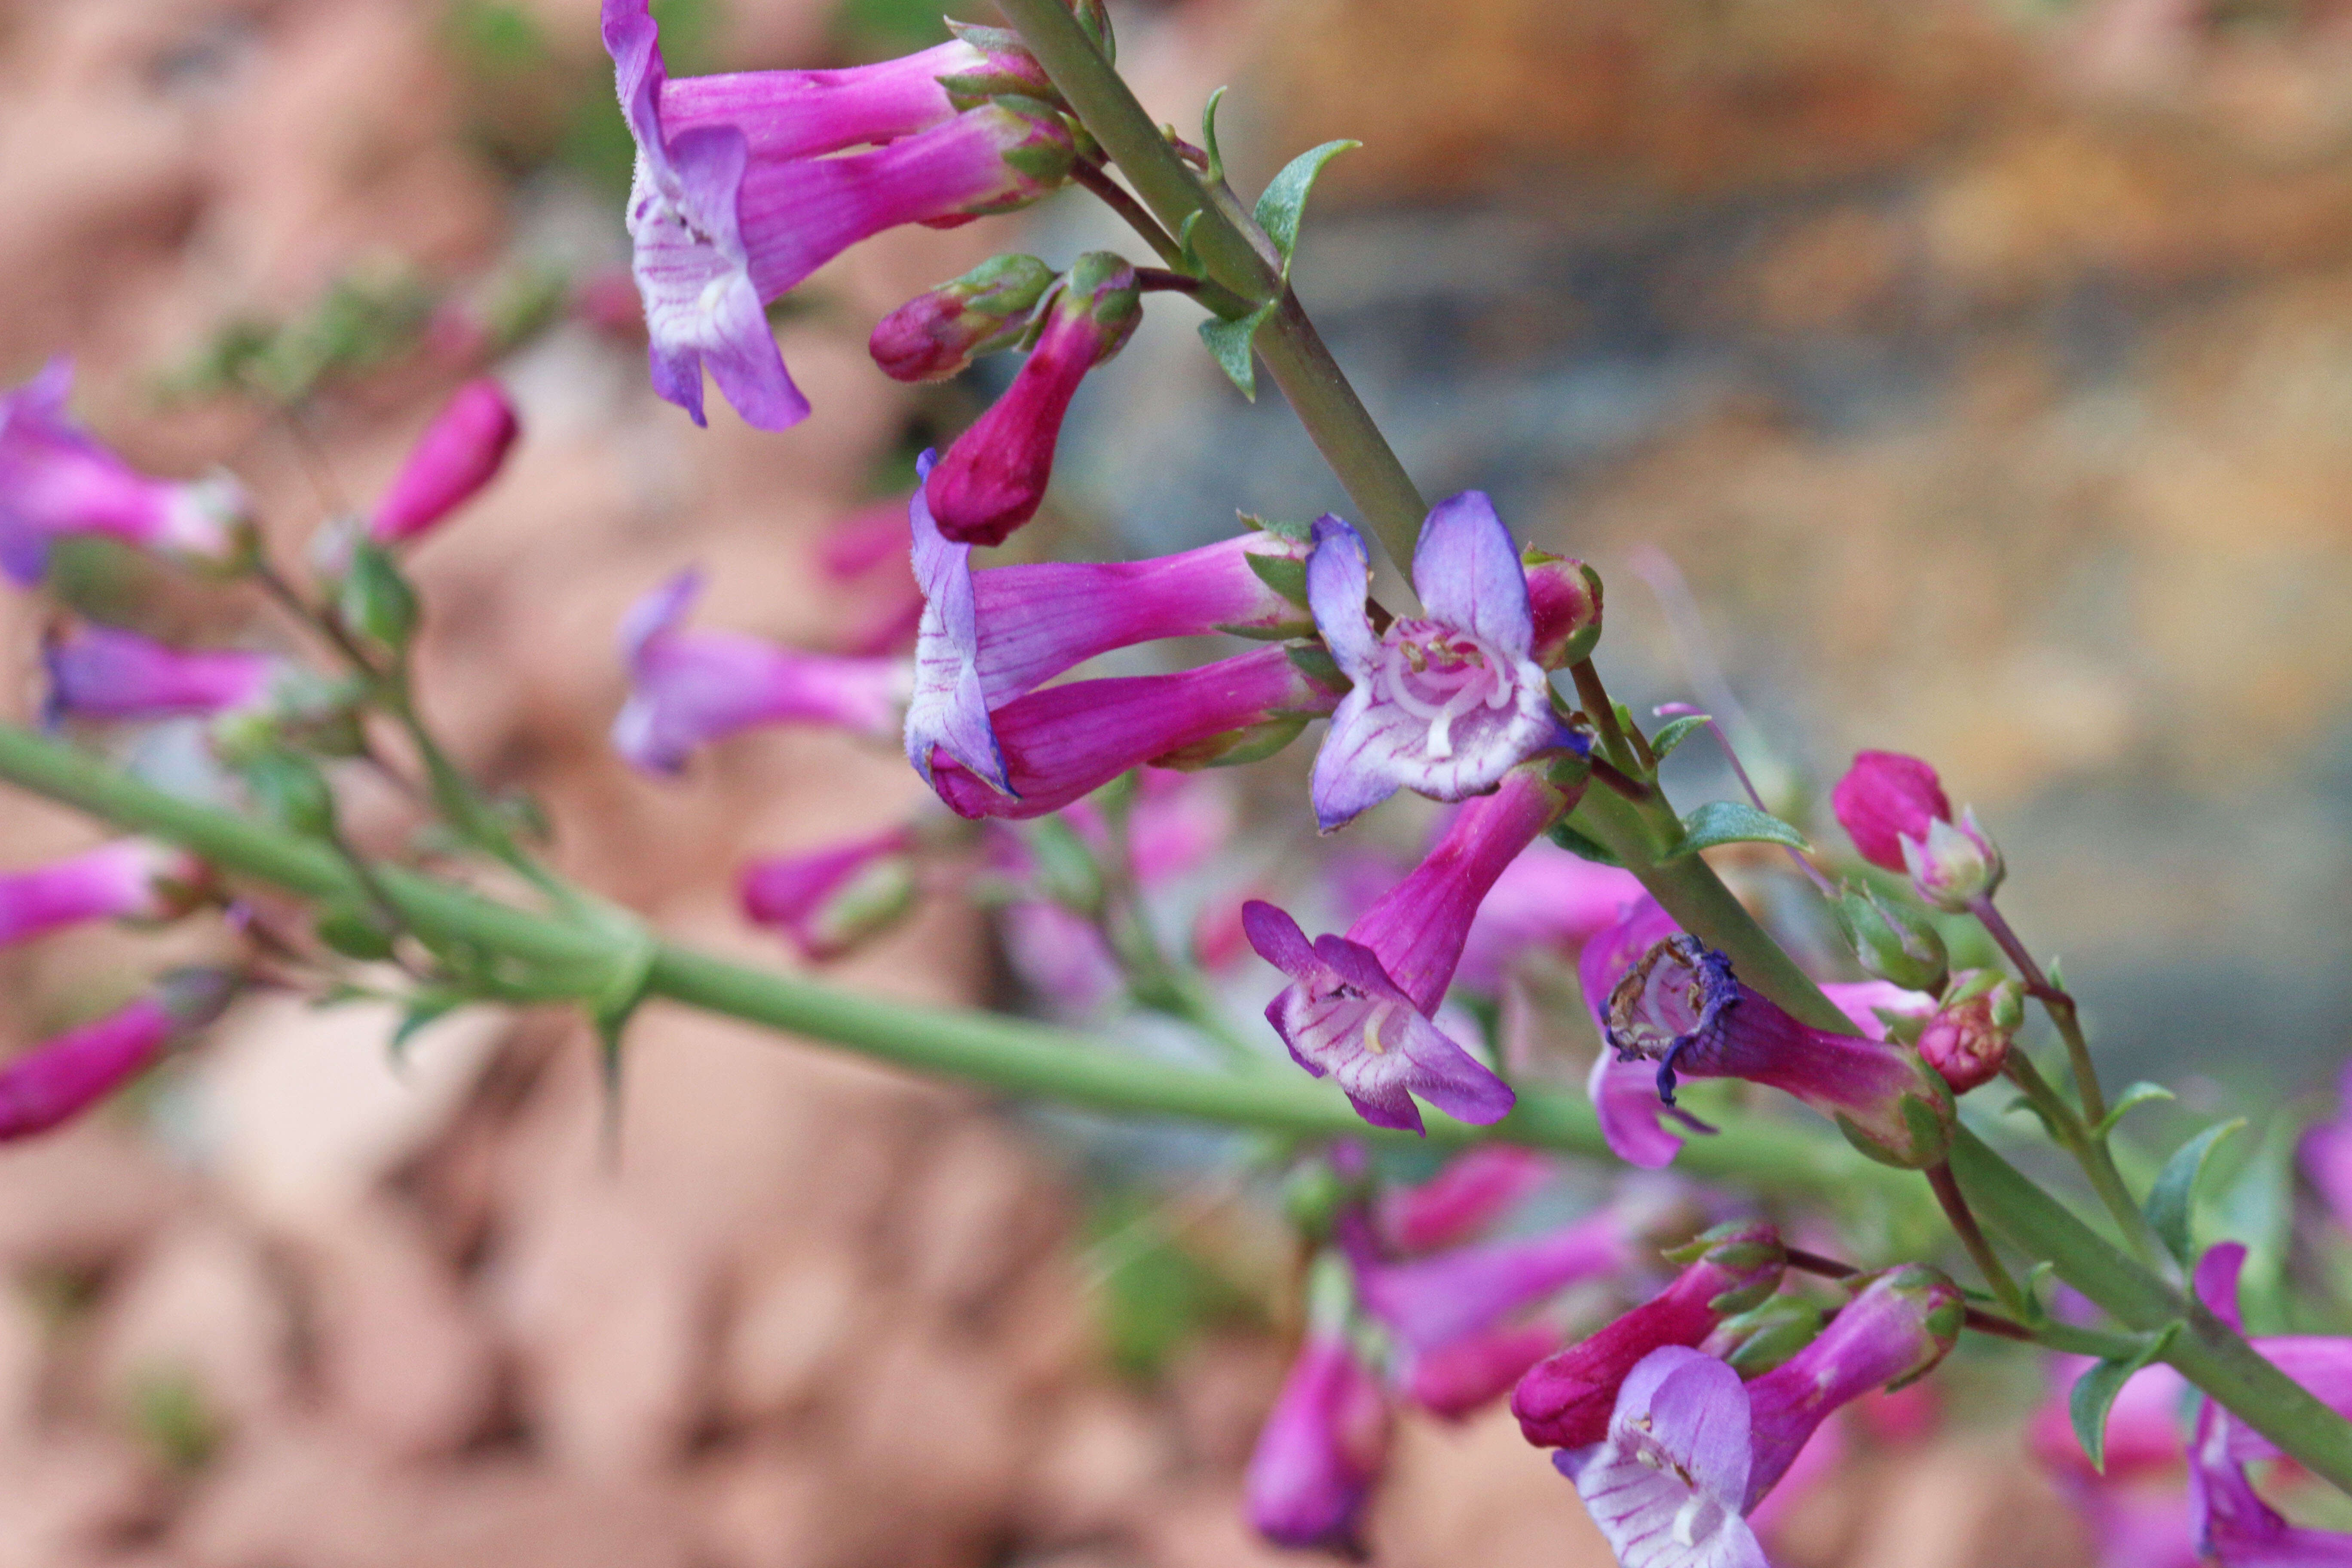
{"x":1666,"y":1002}
{"x":1444,"y":677}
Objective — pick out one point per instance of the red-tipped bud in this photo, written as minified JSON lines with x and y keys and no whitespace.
{"x":1968,"y":1039}
{"x":993,"y":478}
{"x":1564,"y":601}
{"x":1884,"y":798}
{"x":56,"y":1082}
{"x":941,"y":331}
{"x":461,"y":451}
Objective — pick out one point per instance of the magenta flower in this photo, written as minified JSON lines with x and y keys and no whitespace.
{"x":993,"y":478}
{"x":742,"y":189}
{"x":1691,"y":1450}
{"x":1474,"y":1189}
{"x":1547,"y":900}
{"x":1894,"y":808}
{"x":1565,"y":1403}
{"x":103,"y":672}
{"x":689,"y":688}
{"x":938,"y":332}
{"x":55,"y":481}
{"x":131,"y":879}
{"x":828,"y":900}
{"x":2325,"y":1153}
{"x":1066,"y":742}
{"x":1359,"y":1006}
{"x":461,"y":451}
{"x":1325,"y":1441}
{"x":1681,"y":1008}
{"x":57,"y":1080}
{"x":989,"y":636}
{"x":1445,"y":704}
{"x":2231,"y":1521}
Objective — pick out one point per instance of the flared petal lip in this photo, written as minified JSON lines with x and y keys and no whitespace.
{"x":1468,"y":574}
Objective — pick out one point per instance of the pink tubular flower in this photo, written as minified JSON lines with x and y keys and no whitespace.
{"x":1547,"y":900}
{"x":1565,"y":1402}
{"x":1325,"y":1441}
{"x":742,"y":189}
{"x":55,"y":481}
{"x":57,"y":1080}
{"x":461,"y":451}
{"x":989,"y":636}
{"x":993,"y":478}
{"x":688,"y":688}
{"x":1691,"y":1450}
{"x":103,"y":672}
{"x":1474,"y":1189}
{"x":1894,"y":808}
{"x":938,"y":332}
{"x":1359,"y":1006}
{"x":1445,"y":704}
{"x":828,"y":900}
{"x":1066,"y":742}
{"x":1681,"y":1007}
{"x":131,"y":879}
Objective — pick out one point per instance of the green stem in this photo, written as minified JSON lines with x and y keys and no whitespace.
{"x":2067,"y":1128}
{"x":1972,"y":1237}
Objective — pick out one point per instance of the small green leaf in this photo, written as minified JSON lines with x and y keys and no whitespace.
{"x":1281,"y":528}
{"x":2096,"y":1389}
{"x":1229,"y":343}
{"x":2171,"y":1202}
{"x":1216,"y":169}
{"x":1284,"y":575}
{"x":1675,"y":732}
{"x":375,"y":600}
{"x":1285,"y":197}
{"x":1735,"y":822}
{"x":1184,"y":241}
{"x":2031,"y":1289}
{"x":1575,"y":843}
{"x":2141,"y":1093}
{"x":353,"y":931}
{"x":424,"y":1010}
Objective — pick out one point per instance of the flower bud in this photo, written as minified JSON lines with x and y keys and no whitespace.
{"x":1893,"y":943}
{"x":1954,"y":864}
{"x":1564,"y":600}
{"x":940,"y":332}
{"x":830,"y":901}
{"x":993,"y":478}
{"x":57,"y":1080}
{"x":461,"y":451}
{"x":1327,"y":1438}
{"x":1004,"y":67}
{"x":1967,"y":1040}
{"x":1884,"y":798}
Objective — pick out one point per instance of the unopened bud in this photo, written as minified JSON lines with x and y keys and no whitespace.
{"x":1564,"y":599}
{"x":461,"y":451}
{"x":1005,"y":69}
{"x":374,"y":600}
{"x":833,"y":901}
{"x":1954,"y":864}
{"x":1034,"y":142}
{"x":1968,"y":1039}
{"x":941,"y":331}
{"x":1893,"y":943}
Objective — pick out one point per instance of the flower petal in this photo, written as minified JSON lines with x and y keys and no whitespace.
{"x":1467,"y":572}
{"x":1339,"y":576}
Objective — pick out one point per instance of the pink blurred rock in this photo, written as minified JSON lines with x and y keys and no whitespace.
{"x":200,"y":1305}
{"x":794,"y":1314}
{"x":979,"y":1209}
{"x":71,"y":1496}
{"x":1097,"y":1464}
{"x":82,"y":1198}
{"x":956,"y":1482}
{"x":1475,"y":1491}
{"x":400,"y":1357}
{"x":767,"y":1504}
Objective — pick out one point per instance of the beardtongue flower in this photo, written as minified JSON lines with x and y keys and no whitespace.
{"x":1681,"y":1007}
{"x":1066,"y":742}
{"x":688,"y":688}
{"x":103,"y":672}
{"x":461,"y":451}
{"x":938,"y":332}
{"x":2232,"y":1523}
{"x":55,"y":1082}
{"x":1476,"y":1188}
{"x":1444,"y":704}
{"x":1325,"y":1441}
{"x":1624,"y":1094}
{"x":1690,"y":1449}
{"x":993,"y":478}
{"x":742,"y":190}
{"x":829,"y":900}
{"x":132,"y":878}
{"x":1894,"y":808}
{"x":987,"y":638}
{"x":56,"y":481}
{"x":1565,"y":1402}
{"x":1548,"y":900}
{"x":1359,"y":1006}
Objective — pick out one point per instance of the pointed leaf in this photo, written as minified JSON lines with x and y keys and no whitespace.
{"x":1285,"y":197}
{"x":1229,"y":343}
{"x":1575,"y":843}
{"x":1675,"y":732}
{"x":2171,"y":1202}
{"x":2139,"y":1093}
{"x":1216,"y":169}
{"x":1284,"y":575}
{"x":2095,"y":1392}
{"x":1735,"y":822}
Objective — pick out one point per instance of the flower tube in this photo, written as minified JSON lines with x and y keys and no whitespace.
{"x":57,"y":482}
{"x":830,"y":899}
{"x":1325,"y":1441}
{"x":132,"y":878}
{"x":461,"y":451}
{"x":54,"y":1082}
{"x":103,"y":672}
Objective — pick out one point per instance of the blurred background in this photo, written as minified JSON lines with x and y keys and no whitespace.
{"x":1957,"y":376}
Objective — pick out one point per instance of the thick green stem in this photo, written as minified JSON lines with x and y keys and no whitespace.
{"x":2068,"y":1131}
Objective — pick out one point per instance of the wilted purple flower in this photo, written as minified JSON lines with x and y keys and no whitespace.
{"x":736,"y":197}
{"x":1068,"y":741}
{"x":460,"y":451}
{"x":1894,"y":808}
{"x":828,"y":900}
{"x":1633,"y":1119}
{"x":939,"y":332}
{"x":1681,"y":1007}
{"x":103,"y":672}
{"x":1359,"y":1006}
{"x":55,"y":481}
{"x":994,"y":477}
{"x":1474,"y":1189}
{"x":131,"y":879}
{"x":992,"y":636}
{"x":1565,"y":1402}
{"x":1325,"y":1441}
{"x":688,"y":688}
{"x":58,"y":1079}
{"x":1444,"y":704}
{"x":1690,"y":1449}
